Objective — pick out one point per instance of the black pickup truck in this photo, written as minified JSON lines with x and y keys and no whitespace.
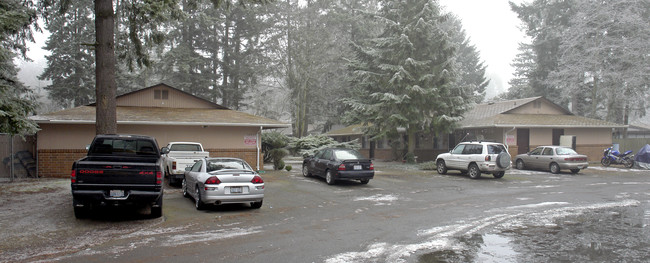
{"x":118,"y":170}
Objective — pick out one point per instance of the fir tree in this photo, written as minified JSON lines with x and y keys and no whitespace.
{"x":404,"y":78}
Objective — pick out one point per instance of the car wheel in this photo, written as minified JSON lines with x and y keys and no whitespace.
{"x":329,"y":178}
{"x":305,"y":171}
{"x":441,"y":167}
{"x":575,"y":171}
{"x":473,"y":171}
{"x":257,"y":205}
{"x":520,"y":164}
{"x":605,"y":162}
{"x":555,"y":168}
{"x":156,"y":212}
{"x":198,"y":203}
{"x":498,"y":174}
{"x":364,"y":181}
{"x":184,"y":188}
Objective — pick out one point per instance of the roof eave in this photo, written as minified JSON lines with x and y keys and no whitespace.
{"x":218,"y":124}
{"x":541,"y":126}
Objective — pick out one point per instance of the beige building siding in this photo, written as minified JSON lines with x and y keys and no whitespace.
{"x":56,"y":136}
{"x":175,"y":99}
{"x":59,"y":145}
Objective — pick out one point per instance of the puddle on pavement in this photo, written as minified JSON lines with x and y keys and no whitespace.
{"x":608,"y":235}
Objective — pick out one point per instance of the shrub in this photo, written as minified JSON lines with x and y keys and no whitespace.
{"x":278,"y":165}
{"x":273,"y":146}
{"x":288,"y":168}
{"x":410,"y":158}
{"x":308,"y":145}
{"x":430,"y":165}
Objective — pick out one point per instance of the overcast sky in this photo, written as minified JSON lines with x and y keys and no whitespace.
{"x":494,"y":29}
{"x":491,"y":26}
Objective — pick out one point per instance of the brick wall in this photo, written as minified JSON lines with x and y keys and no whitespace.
{"x":57,"y":162}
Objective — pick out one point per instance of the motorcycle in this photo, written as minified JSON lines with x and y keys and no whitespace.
{"x":611,"y":156}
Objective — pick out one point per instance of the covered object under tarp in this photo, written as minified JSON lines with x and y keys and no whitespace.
{"x":642,"y":157}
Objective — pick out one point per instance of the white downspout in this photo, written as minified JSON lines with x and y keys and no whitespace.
{"x":259,"y":143}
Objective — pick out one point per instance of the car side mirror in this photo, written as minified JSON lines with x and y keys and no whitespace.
{"x":164,"y":150}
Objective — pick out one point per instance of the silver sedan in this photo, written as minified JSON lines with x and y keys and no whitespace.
{"x":553,"y":158}
{"x":215,"y":181}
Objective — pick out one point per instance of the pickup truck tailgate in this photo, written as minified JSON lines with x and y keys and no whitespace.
{"x":129,"y":171}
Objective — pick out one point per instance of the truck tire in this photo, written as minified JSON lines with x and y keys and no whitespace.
{"x":80,"y":212}
{"x":156,"y":212}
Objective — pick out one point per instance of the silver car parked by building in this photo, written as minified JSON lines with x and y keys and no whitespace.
{"x":215,"y":181}
{"x":553,"y":158}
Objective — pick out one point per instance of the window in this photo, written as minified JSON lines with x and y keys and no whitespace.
{"x":459,"y":149}
{"x":348,"y":155}
{"x":161,"y":94}
{"x":548,"y":151}
{"x":537,"y":151}
{"x":197,"y":166}
{"x":186,"y":147}
{"x":473,"y":149}
{"x":327,"y":155}
{"x":496,"y":149}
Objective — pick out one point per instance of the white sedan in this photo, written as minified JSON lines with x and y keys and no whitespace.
{"x":215,"y":181}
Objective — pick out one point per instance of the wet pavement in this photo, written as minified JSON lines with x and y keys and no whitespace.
{"x":403,"y":215}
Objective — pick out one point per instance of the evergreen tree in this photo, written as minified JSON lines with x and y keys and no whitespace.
{"x":471,"y":70}
{"x":545,"y":21}
{"x":524,"y":64}
{"x":603,"y":64}
{"x":72,"y":59}
{"x":16,"y":103}
{"x":404,"y":78}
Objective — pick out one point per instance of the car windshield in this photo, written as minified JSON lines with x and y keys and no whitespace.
{"x":347,"y":155}
{"x":226,"y":164}
{"x":496,"y":149}
{"x":565,"y":151}
{"x":185,"y":147}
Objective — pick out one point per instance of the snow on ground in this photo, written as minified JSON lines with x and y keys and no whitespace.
{"x":443,"y":237}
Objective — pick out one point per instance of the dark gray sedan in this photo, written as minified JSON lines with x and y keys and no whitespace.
{"x":553,"y":158}
{"x":335,"y":164}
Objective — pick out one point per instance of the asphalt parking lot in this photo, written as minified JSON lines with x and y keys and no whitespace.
{"x":403,"y":215}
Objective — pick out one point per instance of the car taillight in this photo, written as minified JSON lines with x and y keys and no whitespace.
{"x":213,"y":180}
{"x":575,"y":159}
{"x":372,"y":166}
{"x":73,"y":176}
{"x":159,"y":179}
{"x":342,"y":167}
{"x":488,"y":158}
{"x":173,"y":165}
{"x":257,"y":180}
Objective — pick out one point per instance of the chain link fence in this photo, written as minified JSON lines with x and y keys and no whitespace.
{"x":18,"y":157}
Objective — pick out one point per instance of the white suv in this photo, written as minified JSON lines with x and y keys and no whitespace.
{"x":474,"y":158}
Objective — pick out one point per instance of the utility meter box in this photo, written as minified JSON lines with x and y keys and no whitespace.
{"x":568,"y":141}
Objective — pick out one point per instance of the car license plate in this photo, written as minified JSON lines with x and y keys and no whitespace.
{"x":357,"y":167}
{"x":116,"y":193}
{"x":235,"y":190}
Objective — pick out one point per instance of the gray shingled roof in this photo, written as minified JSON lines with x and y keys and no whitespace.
{"x":496,"y":115}
{"x":163,"y":116}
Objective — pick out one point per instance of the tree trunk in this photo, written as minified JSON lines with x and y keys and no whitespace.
{"x":106,"y":120}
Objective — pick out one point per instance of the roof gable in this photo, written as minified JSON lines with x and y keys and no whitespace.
{"x":163,"y":96}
